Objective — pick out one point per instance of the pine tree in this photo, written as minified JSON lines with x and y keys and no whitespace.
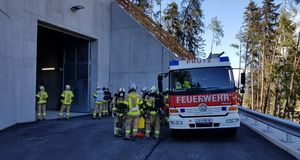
{"x":289,"y":67}
{"x":193,"y":27}
{"x":143,"y":5}
{"x":217,"y":29}
{"x":252,"y":31}
{"x":172,"y":21}
{"x":269,"y":25}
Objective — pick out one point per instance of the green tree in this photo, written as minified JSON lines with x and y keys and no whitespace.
{"x":287,"y":72}
{"x":172,"y":21}
{"x":269,"y":25}
{"x":240,"y":47}
{"x":193,"y":27}
{"x":217,"y":30}
{"x":143,"y":5}
{"x":253,"y":31}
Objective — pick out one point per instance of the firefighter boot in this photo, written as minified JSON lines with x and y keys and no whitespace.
{"x":94,"y":115}
{"x":67,"y":115}
{"x":60,"y":115}
{"x":38,"y":116}
{"x":44,"y":116}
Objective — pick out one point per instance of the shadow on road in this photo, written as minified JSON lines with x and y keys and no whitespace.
{"x":201,"y":135}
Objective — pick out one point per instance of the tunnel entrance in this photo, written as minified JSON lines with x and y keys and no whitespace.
{"x":63,"y":59}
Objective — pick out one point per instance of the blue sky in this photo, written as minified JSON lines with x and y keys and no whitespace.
{"x":230,"y":13}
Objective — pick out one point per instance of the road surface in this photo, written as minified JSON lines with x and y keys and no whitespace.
{"x":83,"y":138}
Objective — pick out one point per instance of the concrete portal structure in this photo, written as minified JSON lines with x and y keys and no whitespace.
{"x":121,"y":51}
{"x":136,"y":55}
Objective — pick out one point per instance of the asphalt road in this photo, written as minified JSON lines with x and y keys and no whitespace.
{"x":83,"y":138}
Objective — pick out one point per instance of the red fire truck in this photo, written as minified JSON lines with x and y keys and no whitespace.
{"x":202,"y":95}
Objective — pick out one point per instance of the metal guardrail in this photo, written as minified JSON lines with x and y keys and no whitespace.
{"x":288,"y":127}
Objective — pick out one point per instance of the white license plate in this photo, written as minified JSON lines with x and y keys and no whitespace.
{"x":203,"y":120}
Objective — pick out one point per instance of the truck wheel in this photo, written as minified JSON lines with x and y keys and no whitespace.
{"x":231,"y":132}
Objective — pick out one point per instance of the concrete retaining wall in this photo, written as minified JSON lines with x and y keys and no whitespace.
{"x":136,"y":56}
{"x":122,"y":51}
{"x":18,"y":45}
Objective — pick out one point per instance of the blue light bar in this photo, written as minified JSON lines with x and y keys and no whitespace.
{"x":224,"y":59}
{"x":224,"y":108}
{"x":174,"y":63}
{"x":182,"y":110}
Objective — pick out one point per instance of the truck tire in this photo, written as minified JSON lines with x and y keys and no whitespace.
{"x":231,"y":132}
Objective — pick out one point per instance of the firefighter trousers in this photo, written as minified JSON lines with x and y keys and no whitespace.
{"x":62,"y":109}
{"x":118,"y":124}
{"x":105,"y":109}
{"x":131,"y":126}
{"x":41,"y":110}
{"x":152,"y":121}
{"x":98,"y":109}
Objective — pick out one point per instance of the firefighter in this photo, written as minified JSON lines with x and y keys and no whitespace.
{"x":114,"y":100}
{"x":67,"y":97}
{"x":107,"y":98}
{"x":120,"y":106}
{"x":42,"y":96}
{"x":99,"y":102}
{"x":143,"y":102}
{"x":153,"y":119}
{"x":178,"y":86}
{"x":141,"y":125}
{"x":133,"y":115}
{"x":109,"y":103}
{"x":187,"y":84}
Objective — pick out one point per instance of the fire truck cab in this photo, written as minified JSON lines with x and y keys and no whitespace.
{"x":202,"y":95}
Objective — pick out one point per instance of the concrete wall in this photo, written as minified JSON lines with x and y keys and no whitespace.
{"x":136,"y":56}
{"x":18,"y":45}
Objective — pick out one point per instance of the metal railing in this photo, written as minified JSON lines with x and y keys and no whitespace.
{"x":156,"y":29}
{"x":286,"y":126}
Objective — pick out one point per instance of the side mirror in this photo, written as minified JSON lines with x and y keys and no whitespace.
{"x":243,"y":78}
{"x":159,"y":80}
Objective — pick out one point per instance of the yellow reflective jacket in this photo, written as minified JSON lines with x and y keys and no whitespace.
{"x":151,"y":106}
{"x":67,"y":97}
{"x":187,"y":84}
{"x":99,"y":100}
{"x":133,"y":100}
{"x":120,"y":111}
{"x":42,"y":97}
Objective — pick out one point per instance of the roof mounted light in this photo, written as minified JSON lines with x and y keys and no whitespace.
{"x":224,"y":59}
{"x":174,"y":63}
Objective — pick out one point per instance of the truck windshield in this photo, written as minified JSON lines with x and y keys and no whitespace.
{"x":202,"y":79}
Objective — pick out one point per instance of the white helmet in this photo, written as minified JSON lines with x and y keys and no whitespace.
{"x":98,"y":88}
{"x":152,"y":89}
{"x":122,"y":89}
{"x":68,"y":87}
{"x":144,"y":89}
{"x":42,"y":88}
{"x":132,"y":87}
